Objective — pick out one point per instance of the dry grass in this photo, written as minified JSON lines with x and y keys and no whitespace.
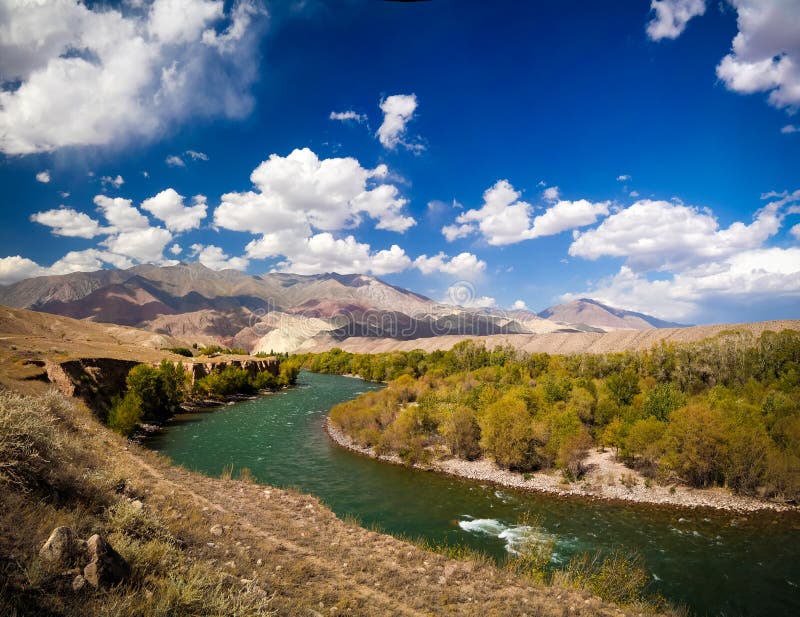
{"x":279,"y":552}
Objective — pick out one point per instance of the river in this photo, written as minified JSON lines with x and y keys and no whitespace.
{"x":717,"y":563}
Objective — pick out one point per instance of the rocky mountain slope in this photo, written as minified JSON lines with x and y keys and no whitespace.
{"x":593,"y":313}
{"x":285,"y":312}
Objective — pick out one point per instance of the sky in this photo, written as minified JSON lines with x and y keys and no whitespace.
{"x":507,"y":154}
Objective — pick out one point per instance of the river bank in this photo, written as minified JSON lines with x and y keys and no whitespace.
{"x":606,"y":479}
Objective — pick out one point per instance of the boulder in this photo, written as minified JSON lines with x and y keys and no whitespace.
{"x":106,"y":566}
{"x":63,"y":548}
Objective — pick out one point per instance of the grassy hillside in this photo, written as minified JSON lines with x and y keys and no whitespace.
{"x":204,"y":546}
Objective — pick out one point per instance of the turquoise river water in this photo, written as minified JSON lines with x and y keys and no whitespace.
{"x":716,"y":563}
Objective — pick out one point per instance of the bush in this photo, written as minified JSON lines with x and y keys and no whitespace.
{"x":126,"y":413}
{"x":160,"y":390}
{"x":694,"y":445}
{"x":230,"y":380}
{"x":619,"y":577}
{"x":28,"y":438}
{"x":507,"y":434}
{"x":461,"y":433}
{"x":181,"y":351}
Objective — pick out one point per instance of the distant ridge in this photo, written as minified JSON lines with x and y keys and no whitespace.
{"x":594,"y":313}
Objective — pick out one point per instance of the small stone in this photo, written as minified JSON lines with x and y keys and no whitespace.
{"x":107,"y":567}
{"x":78,"y":583}
{"x":259,"y":562}
{"x":62,"y":547}
{"x":137,"y":505}
{"x":216,"y":530}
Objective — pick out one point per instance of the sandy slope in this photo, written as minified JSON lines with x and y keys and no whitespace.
{"x":556,"y":342}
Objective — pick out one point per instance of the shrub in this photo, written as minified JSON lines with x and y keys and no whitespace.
{"x":181,"y":351}
{"x":28,"y":438}
{"x":287,"y":376}
{"x":160,"y":390}
{"x":230,"y":380}
{"x":662,"y":400}
{"x":126,"y":413}
{"x":461,"y":433}
{"x":507,"y":434}
{"x":623,"y":387}
{"x":694,"y":445}
{"x":619,"y":577}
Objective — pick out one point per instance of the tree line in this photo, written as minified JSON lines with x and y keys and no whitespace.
{"x":721,"y":412}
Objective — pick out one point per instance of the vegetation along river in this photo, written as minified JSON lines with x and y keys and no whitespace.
{"x":718,"y":563}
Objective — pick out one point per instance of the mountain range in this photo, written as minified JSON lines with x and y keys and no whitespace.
{"x":287,"y":312}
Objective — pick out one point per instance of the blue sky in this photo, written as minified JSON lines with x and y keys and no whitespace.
{"x":642,"y":154}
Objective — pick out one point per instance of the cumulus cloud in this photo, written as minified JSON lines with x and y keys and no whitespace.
{"x":463,"y":265}
{"x":398,"y":110}
{"x":116,"y":182}
{"x":519,"y":305}
{"x":764,"y":275}
{"x":16,"y":268}
{"x":348,"y":116}
{"x":91,"y":74}
{"x":505,"y":219}
{"x":300,"y":192}
{"x":623,"y":178}
{"x":551,"y":193}
{"x":660,"y":235}
{"x":464,"y":296}
{"x":143,"y":245}
{"x":176,"y":249}
{"x":765,"y":54}
{"x":68,"y":222}
{"x":121,"y":213}
{"x":168,"y":206}
{"x":671,"y":17}
{"x":215,"y":258}
{"x":43,"y":177}
{"x":789,"y":129}
{"x":324,"y":253}
{"x":173,"y":160}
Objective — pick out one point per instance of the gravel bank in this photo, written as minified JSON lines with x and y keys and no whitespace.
{"x":604,"y":480}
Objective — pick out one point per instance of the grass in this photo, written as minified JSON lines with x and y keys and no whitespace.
{"x":281,"y":552}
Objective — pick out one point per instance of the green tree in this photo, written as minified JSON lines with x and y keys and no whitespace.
{"x":694,"y":445}
{"x":125,"y":413}
{"x":507,"y":434}
{"x":461,"y":433}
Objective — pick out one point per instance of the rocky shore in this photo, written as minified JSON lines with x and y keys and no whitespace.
{"x":606,"y":478}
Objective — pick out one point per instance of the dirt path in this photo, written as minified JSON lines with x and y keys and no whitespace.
{"x":294,"y":547}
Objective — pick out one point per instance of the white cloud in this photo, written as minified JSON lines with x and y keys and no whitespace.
{"x":43,"y":177}
{"x":324,"y":253}
{"x":789,"y":129}
{"x":345,"y":116}
{"x":176,"y":249}
{"x":463,"y":265}
{"x":551,"y":193}
{"x":505,"y":219}
{"x":168,"y":206}
{"x":765,"y":55}
{"x":215,"y":258}
{"x":16,"y":268}
{"x":69,"y":222}
{"x":173,"y":160}
{"x":398,"y":110}
{"x":767,"y":275}
{"x":672,"y":16}
{"x":95,"y":75}
{"x":795,"y":231}
{"x":660,"y":235}
{"x":634,"y":194}
{"x":463,"y":294}
{"x":64,"y":194}
{"x":454,"y":232}
{"x":566,"y":215}
{"x":519,"y":305}
{"x":197,"y":156}
{"x":144,"y":245}
{"x":121,"y":213}
{"x":623,"y":178}
{"x":299,"y":192}
{"x":116,"y":182}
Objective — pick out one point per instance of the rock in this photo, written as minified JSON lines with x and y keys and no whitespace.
{"x":78,"y":583}
{"x":216,"y":530}
{"x":63,"y":547}
{"x":106,"y":566}
{"x":137,"y":505}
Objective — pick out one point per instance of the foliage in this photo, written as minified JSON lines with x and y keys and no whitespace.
{"x":126,"y":413}
{"x":181,"y":351}
{"x":724,"y":411}
{"x":218,"y":349}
